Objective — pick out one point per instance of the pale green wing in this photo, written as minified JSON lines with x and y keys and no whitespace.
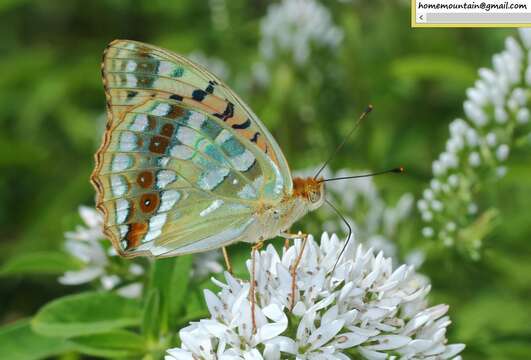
{"x":183,"y":166}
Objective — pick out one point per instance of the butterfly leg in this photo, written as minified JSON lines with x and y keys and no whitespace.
{"x":295,"y":265}
{"x":227,"y":259}
{"x":252,"y":290}
{"x":286,"y":244}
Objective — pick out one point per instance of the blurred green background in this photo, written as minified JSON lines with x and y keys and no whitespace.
{"x":52,"y":115}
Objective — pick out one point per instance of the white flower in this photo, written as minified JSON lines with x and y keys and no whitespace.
{"x":502,"y":152}
{"x":133,"y":290}
{"x":437,"y":205}
{"x":495,"y":107}
{"x":438,"y":168}
{"x":472,"y":137}
{"x":362,"y":306}
{"x":458,"y":126}
{"x":86,"y":243}
{"x":427,"y":216}
{"x":206,"y":263}
{"x":491,"y":139}
{"x":427,"y":232}
{"x":525,"y":34}
{"x":435,"y":185}
{"x":501,"y":171}
{"x":422,"y":205}
{"x":472,"y":208}
{"x":523,"y":116}
{"x":451,"y":226}
{"x":500,"y":115}
{"x":296,"y":27}
{"x":260,"y":74}
{"x":455,"y":144}
{"x":453,"y":180}
{"x":474,"y":159}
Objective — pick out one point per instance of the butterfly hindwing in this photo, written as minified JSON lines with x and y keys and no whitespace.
{"x":179,"y":170}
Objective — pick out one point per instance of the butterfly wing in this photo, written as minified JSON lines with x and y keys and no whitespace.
{"x":184,"y":163}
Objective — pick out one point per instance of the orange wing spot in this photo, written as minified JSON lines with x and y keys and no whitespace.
{"x":158,"y":144}
{"x":175,"y":112}
{"x":131,"y":214}
{"x":167,"y":130}
{"x":215,"y":103}
{"x":237,"y":118}
{"x":143,"y":51}
{"x":152,"y":122}
{"x":145,"y":179}
{"x":197,"y":104}
{"x":149,"y":202}
{"x":135,"y":234}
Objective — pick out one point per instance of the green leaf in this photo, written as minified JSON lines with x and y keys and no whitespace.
{"x":178,"y":286}
{"x":484,"y":320}
{"x":195,"y":305}
{"x":160,"y":279}
{"x":444,"y":69}
{"x":191,"y":316}
{"x":519,"y":347}
{"x":161,"y":273}
{"x":151,"y":323}
{"x":40,"y":263}
{"x":18,"y":341}
{"x":117,"y":343}
{"x":85,"y":314}
{"x":19,"y":153}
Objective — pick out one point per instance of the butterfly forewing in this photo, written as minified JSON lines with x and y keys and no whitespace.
{"x":184,"y":163}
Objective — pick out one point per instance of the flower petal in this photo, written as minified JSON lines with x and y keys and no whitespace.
{"x":349,"y":339}
{"x":81,"y":276}
{"x":389,"y":342}
{"x":325,"y":333}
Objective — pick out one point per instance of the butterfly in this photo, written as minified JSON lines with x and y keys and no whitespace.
{"x":185,"y":166}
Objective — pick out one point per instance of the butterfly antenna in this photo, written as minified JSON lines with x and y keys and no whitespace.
{"x":399,"y":169}
{"x":349,"y":233}
{"x":354,"y":128}
{"x":395,"y":170}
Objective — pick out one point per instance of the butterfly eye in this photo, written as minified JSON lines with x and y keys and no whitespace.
{"x":314,"y":196}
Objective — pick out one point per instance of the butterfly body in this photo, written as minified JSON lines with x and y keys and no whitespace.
{"x":273,"y":221}
{"x":185,"y":166}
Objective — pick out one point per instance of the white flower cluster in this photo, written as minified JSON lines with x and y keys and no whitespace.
{"x":87,"y":245}
{"x":362,"y":308}
{"x":100,"y":261}
{"x":294,"y":27}
{"x":478,"y":147}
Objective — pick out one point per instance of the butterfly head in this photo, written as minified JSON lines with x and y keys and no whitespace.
{"x":310,"y":190}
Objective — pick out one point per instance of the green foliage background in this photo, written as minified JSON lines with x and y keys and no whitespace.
{"x":51,"y":118}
